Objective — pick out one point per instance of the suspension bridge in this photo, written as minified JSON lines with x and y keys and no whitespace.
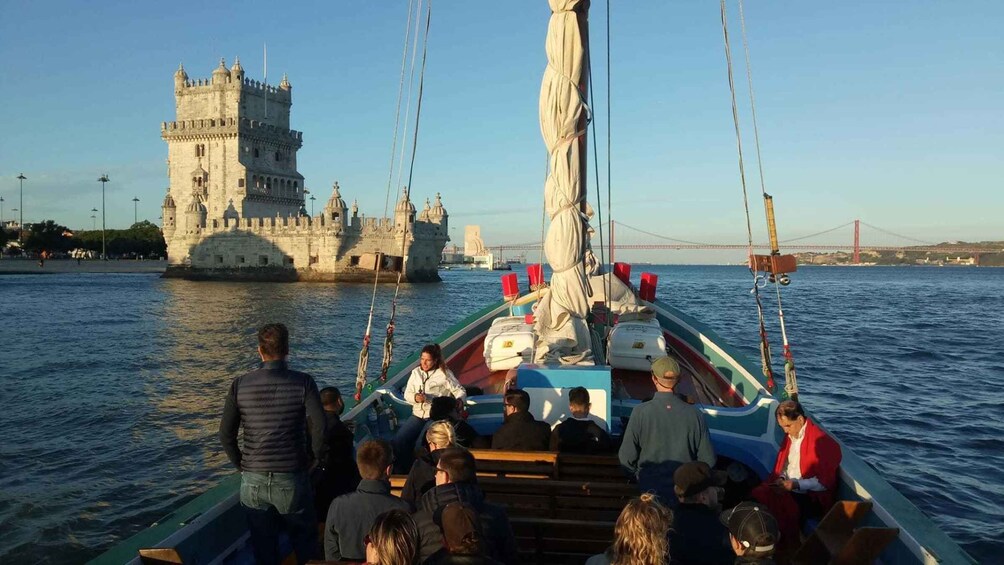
{"x":855,"y":247}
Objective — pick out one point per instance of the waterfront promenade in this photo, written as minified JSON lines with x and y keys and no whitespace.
{"x":10,"y":266}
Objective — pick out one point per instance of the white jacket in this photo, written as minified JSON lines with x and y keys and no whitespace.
{"x":437,"y":383}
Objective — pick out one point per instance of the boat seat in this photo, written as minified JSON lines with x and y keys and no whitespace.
{"x":159,"y":556}
{"x":838,"y":540}
{"x":517,"y":464}
{"x":559,"y":499}
{"x":558,"y":541}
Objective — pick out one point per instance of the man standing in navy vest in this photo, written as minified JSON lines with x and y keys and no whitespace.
{"x":273,"y":404}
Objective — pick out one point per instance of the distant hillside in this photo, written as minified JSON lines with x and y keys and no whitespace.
{"x":944,"y":254}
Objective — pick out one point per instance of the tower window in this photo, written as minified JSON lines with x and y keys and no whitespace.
{"x":255,"y":152}
{"x":240,"y":183}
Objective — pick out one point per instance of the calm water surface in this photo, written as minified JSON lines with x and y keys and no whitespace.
{"x":111,"y":386}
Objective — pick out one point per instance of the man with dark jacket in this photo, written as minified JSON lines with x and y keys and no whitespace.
{"x":337,"y":475}
{"x":519,"y":430}
{"x":456,"y":482}
{"x":273,"y":404}
{"x":579,"y":434}
{"x":351,"y":516}
{"x":698,"y":535}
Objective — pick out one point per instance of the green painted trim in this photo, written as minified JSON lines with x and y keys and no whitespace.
{"x":168,"y":525}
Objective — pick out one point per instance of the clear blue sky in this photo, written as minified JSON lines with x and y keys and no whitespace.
{"x":886,"y":111}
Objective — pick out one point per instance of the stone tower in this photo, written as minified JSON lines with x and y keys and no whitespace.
{"x":230,"y":150}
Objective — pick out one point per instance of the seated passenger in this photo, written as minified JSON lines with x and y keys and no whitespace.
{"x":752,"y":533}
{"x":640,"y":535}
{"x":805,"y":473}
{"x":519,"y":430}
{"x":664,"y":433}
{"x":351,"y":515}
{"x":463,"y":539}
{"x":393,"y":540}
{"x":579,"y":434}
{"x":456,"y":481}
{"x":447,"y":408}
{"x":698,"y":536}
{"x":338,"y":474}
{"x":422,"y":476}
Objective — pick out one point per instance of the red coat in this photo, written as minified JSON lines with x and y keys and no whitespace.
{"x":819,"y":457}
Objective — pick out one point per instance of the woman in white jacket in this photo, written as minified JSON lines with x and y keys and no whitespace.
{"x":431,"y":379}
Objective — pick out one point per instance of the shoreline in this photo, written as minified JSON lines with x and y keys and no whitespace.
{"x":10,"y":266}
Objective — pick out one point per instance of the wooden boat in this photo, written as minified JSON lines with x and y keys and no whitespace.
{"x":563,"y":507}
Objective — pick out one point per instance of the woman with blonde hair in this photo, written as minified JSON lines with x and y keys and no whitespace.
{"x":422,"y":476}
{"x":641,"y":535}
{"x":393,"y":540}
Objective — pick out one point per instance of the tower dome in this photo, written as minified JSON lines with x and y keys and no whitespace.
{"x":168,"y":201}
{"x":220,"y":73}
{"x":196,"y":207}
{"x":284,"y":85}
{"x":336,"y":202}
{"x":404,"y":205}
{"x":237,"y":71}
{"x":438,"y":211}
{"x":180,"y":77}
{"x":424,"y":215}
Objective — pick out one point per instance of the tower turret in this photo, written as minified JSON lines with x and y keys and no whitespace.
{"x":423,"y":216}
{"x":237,"y":71}
{"x":284,"y":85}
{"x":220,"y":74}
{"x":195,"y":216}
{"x":438,"y":213}
{"x":334,"y":210}
{"x":231,"y":215}
{"x":404,"y":212}
{"x":180,"y":77}
{"x":168,"y":214}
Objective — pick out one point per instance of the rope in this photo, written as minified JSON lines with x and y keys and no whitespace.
{"x":610,"y":216}
{"x":397,"y":112}
{"x":764,"y":344}
{"x":596,"y":169}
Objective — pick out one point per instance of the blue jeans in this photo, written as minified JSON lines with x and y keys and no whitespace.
{"x":276,"y":501}
{"x":404,"y":443}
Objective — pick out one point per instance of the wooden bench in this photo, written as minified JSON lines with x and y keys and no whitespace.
{"x":838,"y":540}
{"x":570,"y":500}
{"x":548,"y":465}
{"x":557,"y":541}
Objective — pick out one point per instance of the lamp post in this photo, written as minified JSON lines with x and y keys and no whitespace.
{"x":20,"y":232}
{"x":312,"y":205}
{"x":94,"y":218}
{"x":135,"y":202}
{"x":103,"y":179}
{"x":1,"y":211}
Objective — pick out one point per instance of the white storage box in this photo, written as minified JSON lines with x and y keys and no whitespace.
{"x":509,"y":342}
{"x":632,"y":344}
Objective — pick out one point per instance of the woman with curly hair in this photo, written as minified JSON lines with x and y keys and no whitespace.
{"x":641,"y":535}
{"x":393,"y":540}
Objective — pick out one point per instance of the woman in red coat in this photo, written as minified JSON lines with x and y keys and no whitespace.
{"x":804,"y":480}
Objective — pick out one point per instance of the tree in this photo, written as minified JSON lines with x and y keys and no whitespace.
{"x":48,"y":236}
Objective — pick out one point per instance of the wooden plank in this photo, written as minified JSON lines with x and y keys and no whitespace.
{"x":160,"y":556}
{"x":548,"y":457}
{"x":865,"y":545}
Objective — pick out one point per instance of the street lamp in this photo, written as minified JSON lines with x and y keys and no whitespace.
{"x":1,"y":211}
{"x":135,"y":201}
{"x":312,"y":205}
{"x":94,"y":218}
{"x":20,"y":232}
{"x":103,"y":179}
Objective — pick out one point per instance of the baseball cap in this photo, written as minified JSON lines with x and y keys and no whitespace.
{"x":461,"y":527}
{"x":693,"y":477}
{"x":753,"y":526}
{"x":664,"y":365}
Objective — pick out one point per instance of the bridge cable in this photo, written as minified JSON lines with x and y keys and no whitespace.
{"x":897,"y":235}
{"x":364,"y":352}
{"x":817,"y":233}
{"x":765,"y":357}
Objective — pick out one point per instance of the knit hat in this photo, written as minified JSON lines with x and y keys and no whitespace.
{"x":693,"y":477}
{"x":753,"y":526}
{"x":461,"y":529}
{"x":664,"y":365}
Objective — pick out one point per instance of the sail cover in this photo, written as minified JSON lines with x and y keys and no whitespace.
{"x":563,"y":335}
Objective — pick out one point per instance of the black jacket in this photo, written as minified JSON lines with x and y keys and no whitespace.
{"x":698,"y":537}
{"x":272,"y":403}
{"x":338,"y":474}
{"x":422,"y":476}
{"x":499,"y":540}
{"x":351,"y":516}
{"x":580,"y":436}
{"x":521,"y":432}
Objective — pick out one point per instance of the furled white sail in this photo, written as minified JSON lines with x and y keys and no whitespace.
{"x":563,"y":335}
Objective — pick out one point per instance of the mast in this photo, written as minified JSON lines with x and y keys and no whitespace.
{"x":563,"y":335}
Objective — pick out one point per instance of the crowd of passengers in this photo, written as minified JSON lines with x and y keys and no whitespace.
{"x":299,"y":465}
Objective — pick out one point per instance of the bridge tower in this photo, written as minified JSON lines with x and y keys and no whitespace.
{"x":857,"y":242}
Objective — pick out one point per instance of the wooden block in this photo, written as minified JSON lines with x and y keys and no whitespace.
{"x":160,"y":556}
{"x":775,"y":264}
{"x":865,"y":546}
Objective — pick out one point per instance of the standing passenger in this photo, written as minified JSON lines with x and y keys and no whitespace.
{"x":339,"y":474}
{"x":664,"y":433}
{"x":431,"y":379}
{"x":273,"y":403}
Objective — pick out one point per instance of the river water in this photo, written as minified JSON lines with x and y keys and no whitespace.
{"x":112,"y":385}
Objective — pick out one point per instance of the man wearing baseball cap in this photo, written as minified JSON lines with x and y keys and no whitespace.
{"x":698,"y":536}
{"x":664,"y":433}
{"x":752,"y":532}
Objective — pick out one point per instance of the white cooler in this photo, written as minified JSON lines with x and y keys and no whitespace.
{"x":509,"y":342}
{"x":631,"y":344}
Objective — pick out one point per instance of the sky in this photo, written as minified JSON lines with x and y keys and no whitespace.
{"x":885,"y":111}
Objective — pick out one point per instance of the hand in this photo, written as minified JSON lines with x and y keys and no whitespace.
{"x":420,"y":398}
{"x":789,"y":484}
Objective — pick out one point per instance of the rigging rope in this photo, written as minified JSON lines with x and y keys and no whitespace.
{"x":765,"y":359}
